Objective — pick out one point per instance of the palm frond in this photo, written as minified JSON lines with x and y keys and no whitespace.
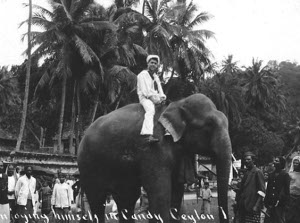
{"x":118,"y":78}
{"x":88,"y":82}
{"x":99,"y":25}
{"x":86,"y":52}
{"x":44,"y":81}
{"x":199,"y":19}
{"x":43,"y":10}
{"x":150,"y":11}
{"x":187,"y":14}
{"x":79,"y":8}
{"x":65,"y":5}
{"x":203,"y":33}
{"x":162,"y":7}
{"x":139,"y":50}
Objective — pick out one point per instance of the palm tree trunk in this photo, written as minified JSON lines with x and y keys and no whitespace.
{"x":28,"y":66}
{"x":78,"y":119}
{"x":94,"y":112}
{"x":73,"y":118}
{"x":42,"y":137}
{"x":95,"y":105}
{"x":62,"y":111}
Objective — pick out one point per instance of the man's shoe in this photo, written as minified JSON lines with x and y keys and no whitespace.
{"x":151,"y":139}
{"x":167,"y":133}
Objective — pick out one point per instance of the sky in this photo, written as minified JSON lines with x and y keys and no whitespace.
{"x":260,"y":29}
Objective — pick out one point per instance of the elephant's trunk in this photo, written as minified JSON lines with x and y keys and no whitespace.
{"x":222,"y":148}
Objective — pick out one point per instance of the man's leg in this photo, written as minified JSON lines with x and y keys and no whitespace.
{"x":29,"y":210}
{"x":148,"y":124}
{"x":20,"y":215}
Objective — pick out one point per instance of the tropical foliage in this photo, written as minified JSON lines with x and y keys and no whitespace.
{"x":86,"y":58}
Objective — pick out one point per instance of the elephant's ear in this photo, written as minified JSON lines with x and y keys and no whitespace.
{"x":172,"y":120}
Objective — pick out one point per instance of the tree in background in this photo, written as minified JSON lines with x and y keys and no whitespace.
{"x":28,"y":66}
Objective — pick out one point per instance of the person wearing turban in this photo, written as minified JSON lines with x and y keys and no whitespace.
{"x":293,"y":210}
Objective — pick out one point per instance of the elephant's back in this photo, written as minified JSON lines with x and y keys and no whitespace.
{"x":111,"y":135}
{"x":119,"y":123}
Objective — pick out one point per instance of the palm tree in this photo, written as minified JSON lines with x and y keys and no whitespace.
{"x":67,"y":32}
{"x":156,"y":35}
{"x":259,"y":83}
{"x":28,"y":66}
{"x":229,"y":66}
{"x":190,"y":53}
{"x":225,"y":92}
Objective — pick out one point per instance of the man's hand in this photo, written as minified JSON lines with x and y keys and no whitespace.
{"x":163,"y":97}
{"x":155,"y":99}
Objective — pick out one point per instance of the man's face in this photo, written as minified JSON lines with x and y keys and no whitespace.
{"x":61,"y":178}
{"x":1,"y":167}
{"x":266,"y":176}
{"x":277,"y":164}
{"x":248,"y":162}
{"x":296,"y":164}
{"x":10,"y":171}
{"x":241,"y":176}
{"x":152,"y":65}
{"x":28,"y":171}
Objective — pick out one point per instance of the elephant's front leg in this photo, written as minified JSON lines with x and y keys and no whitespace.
{"x":157,"y":183}
{"x":176,"y":201}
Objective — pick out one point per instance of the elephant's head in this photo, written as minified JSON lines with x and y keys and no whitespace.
{"x":201,"y":128}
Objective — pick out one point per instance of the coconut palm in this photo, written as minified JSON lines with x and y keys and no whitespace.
{"x":28,"y":66}
{"x":259,"y":83}
{"x":229,"y":66}
{"x":156,"y":35}
{"x":188,"y":43}
{"x":225,"y":92}
{"x":66,"y":32}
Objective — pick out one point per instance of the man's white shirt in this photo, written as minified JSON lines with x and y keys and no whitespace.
{"x":61,"y":196}
{"x":25,"y":188}
{"x":145,"y":86}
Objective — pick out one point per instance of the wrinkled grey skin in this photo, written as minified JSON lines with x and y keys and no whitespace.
{"x":197,"y":127}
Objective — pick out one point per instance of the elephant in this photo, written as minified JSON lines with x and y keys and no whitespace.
{"x":196,"y":127}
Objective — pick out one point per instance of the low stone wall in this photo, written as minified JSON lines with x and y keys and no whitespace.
{"x":54,"y":162}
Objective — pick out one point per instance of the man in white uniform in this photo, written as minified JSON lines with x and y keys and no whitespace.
{"x":149,"y":96}
{"x":24,"y":192}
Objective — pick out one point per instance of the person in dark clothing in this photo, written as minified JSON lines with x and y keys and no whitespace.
{"x":45,"y":198}
{"x":76,"y":189}
{"x":4,"y":205}
{"x":278,"y":192}
{"x":252,"y":192}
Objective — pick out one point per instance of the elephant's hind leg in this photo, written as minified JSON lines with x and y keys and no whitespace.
{"x":96,"y":198}
{"x":126,"y":200}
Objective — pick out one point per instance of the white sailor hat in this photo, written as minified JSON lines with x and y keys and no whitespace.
{"x":153,"y":57}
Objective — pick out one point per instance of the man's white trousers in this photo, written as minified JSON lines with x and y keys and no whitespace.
{"x":148,"y":125}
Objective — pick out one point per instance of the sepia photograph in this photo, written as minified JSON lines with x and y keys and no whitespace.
{"x":149,"y":111}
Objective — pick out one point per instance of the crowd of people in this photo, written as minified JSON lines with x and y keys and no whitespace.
{"x":272,"y":197}
{"x":21,"y":195}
